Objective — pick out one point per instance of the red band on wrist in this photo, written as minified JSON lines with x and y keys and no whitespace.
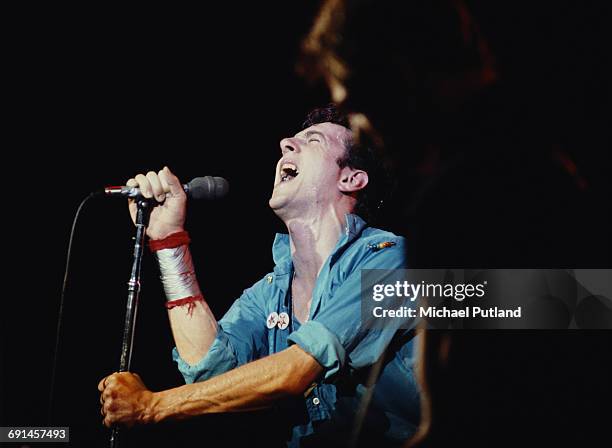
{"x":189,"y":301}
{"x":174,"y":240}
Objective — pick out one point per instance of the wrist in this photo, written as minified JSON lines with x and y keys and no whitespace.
{"x":177,"y":273}
{"x":151,"y":413}
{"x":160,"y":234}
{"x":172,"y":241}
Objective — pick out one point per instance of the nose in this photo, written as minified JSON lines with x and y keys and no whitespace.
{"x":289,"y":145}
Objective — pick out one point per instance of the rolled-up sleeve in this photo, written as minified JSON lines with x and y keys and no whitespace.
{"x":336,"y":336}
{"x":220,"y":358}
{"x":314,"y":338}
{"x":241,"y":338}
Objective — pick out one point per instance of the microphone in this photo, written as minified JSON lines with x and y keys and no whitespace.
{"x":207,"y":187}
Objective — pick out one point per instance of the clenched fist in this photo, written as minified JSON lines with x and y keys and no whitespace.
{"x":169,"y":215}
{"x":125,"y":400}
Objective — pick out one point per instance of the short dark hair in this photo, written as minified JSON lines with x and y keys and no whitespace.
{"x":359,"y":155}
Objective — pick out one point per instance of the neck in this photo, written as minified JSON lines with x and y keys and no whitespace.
{"x":312,"y":240}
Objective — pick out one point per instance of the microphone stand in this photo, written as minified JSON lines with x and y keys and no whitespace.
{"x":142,"y":217}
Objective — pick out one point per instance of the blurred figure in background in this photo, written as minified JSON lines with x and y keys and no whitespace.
{"x":484,"y":183}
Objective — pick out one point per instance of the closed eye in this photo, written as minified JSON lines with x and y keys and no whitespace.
{"x":314,"y":136}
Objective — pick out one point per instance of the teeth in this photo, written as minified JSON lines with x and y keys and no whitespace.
{"x":289,"y":166}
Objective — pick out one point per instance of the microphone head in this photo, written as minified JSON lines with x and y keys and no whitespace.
{"x":207,"y":187}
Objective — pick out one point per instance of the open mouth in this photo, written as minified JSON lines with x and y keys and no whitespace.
{"x":289,"y":171}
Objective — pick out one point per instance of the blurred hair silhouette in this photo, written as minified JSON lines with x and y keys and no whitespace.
{"x":483,"y":182}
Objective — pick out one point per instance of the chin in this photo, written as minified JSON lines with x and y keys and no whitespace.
{"x":276,"y":203}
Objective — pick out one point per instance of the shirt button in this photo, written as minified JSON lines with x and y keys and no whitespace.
{"x":316,"y":401}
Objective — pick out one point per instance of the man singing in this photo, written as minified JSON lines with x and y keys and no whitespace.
{"x":295,"y":340}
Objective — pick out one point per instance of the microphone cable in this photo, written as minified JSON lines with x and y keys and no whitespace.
{"x":61,"y":308}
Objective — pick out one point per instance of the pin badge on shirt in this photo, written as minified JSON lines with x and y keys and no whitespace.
{"x":379,"y":246}
{"x":272,"y":319}
{"x":283,"y":320}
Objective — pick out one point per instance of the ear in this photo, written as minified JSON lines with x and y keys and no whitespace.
{"x":352,"y":180}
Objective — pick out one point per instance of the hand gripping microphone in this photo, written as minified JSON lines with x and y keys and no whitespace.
{"x":207,"y":187}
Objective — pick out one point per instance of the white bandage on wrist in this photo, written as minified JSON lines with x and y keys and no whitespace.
{"x":177,"y":273}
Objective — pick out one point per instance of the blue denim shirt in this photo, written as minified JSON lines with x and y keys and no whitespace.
{"x":334,"y":335}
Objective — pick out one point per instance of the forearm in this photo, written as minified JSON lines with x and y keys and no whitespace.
{"x":194,"y":330}
{"x":194,"y":326}
{"x":256,"y":385}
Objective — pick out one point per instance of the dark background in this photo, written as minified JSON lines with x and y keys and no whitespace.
{"x":100,"y":94}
